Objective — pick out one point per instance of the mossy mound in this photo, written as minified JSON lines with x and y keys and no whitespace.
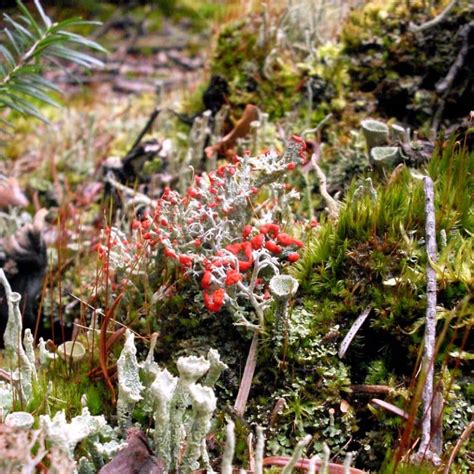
{"x":402,"y":69}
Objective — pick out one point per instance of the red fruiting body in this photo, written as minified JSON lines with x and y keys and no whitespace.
{"x":273,"y":229}
{"x":232,"y":277}
{"x":247,"y":248}
{"x":257,"y":241}
{"x":234,"y":248}
{"x":197,"y":243}
{"x":135,"y":224}
{"x":215,"y":301}
{"x":185,"y":260}
{"x":284,"y":239}
{"x":170,"y":253}
{"x":245,"y":265}
{"x":206,"y":280}
{"x":291,"y":166}
{"x":273,"y":247}
{"x":293,"y":257}
{"x":247,"y":230}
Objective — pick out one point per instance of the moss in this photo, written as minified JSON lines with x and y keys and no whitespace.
{"x":401,"y":68}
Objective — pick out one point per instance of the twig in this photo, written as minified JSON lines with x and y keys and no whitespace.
{"x":142,"y":198}
{"x":353,"y":331}
{"x":446,"y":84}
{"x":332,"y":204}
{"x":246,"y":383}
{"x":430,"y":327}
{"x":464,"y":436}
{"x":318,"y":127}
{"x":435,"y":21}
{"x":145,"y":130}
{"x":375,"y":389}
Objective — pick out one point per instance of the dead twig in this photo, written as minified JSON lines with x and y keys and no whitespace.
{"x":436,"y":20}
{"x":145,"y":130}
{"x":430,"y":326}
{"x":373,"y":389}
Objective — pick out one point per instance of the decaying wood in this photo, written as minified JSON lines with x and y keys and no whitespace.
{"x":136,"y":458}
{"x":241,"y":129}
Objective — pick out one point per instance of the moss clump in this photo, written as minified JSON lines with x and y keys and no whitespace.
{"x":401,"y":68}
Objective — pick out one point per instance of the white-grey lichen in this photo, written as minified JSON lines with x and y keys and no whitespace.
{"x":190,"y":370}
{"x":375,"y":133}
{"x":71,"y":351}
{"x":228,"y":454}
{"x":28,"y":343}
{"x":203,"y":404}
{"x":162,"y":391}
{"x":22,"y":368}
{"x":385,"y":156}
{"x":45,"y":356}
{"x":216,"y":368}
{"x":129,"y":385}
{"x":66,"y":435}
{"x":288,"y":469}
{"x":20,"y":419}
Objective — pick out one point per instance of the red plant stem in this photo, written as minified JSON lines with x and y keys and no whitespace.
{"x":103,"y":344}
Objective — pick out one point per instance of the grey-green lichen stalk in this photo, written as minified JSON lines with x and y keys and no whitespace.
{"x":190,"y":370}
{"x":204,"y":404}
{"x":23,"y":369}
{"x":162,"y":391}
{"x":282,"y":288}
{"x":129,"y":385}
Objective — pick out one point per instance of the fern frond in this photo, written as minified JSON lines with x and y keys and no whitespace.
{"x":29,"y":47}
